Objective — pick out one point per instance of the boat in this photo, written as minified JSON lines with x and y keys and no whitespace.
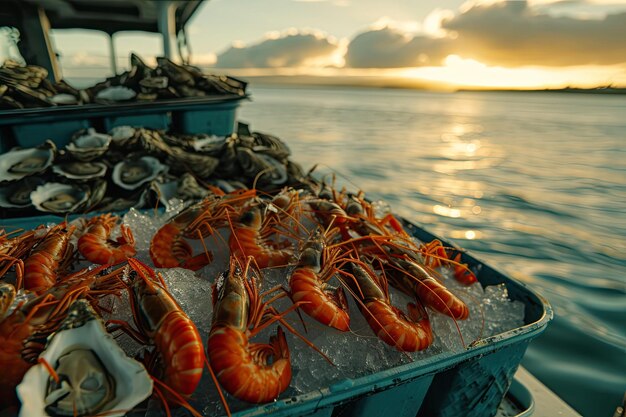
{"x":526,"y":396}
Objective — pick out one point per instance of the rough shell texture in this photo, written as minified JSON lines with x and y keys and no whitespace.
{"x":83,"y":331}
{"x":81,"y":171}
{"x":20,"y":163}
{"x":132,"y":174}
{"x":59,"y":198}
{"x":17,"y":194}
{"x":88,"y":145}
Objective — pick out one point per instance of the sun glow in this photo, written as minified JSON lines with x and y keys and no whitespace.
{"x":465,"y":72}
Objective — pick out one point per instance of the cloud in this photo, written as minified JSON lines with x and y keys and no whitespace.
{"x":391,"y":48}
{"x":515,"y":34}
{"x":503,"y":33}
{"x":291,"y":49}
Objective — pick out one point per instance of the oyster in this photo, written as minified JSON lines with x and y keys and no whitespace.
{"x":96,"y":193}
{"x":133,"y":173}
{"x":19,"y":163}
{"x":212,"y":145}
{"x":63,"y":98}
{"x":17,"y":194}
{"x":95,"y":375}
{"x":59,"y":198}
{"x":81,"y":171}
{"x":124,"y":136}
{"x":116,"y":93}
{"x":253,"y":164}
{"x":87,"y":145}
{"x":201,"y":165}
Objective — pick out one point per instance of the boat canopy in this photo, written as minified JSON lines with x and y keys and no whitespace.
{"x":35,"y":18}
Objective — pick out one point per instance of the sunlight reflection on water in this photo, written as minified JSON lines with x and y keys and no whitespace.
{"x":532,"y":184}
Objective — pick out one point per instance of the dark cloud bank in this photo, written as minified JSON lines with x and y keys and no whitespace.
{"x":505,"y":34}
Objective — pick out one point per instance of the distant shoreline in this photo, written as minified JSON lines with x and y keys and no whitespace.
{"x":597,"y":90}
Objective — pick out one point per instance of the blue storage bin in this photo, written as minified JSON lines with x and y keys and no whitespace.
{"x":212,"y":114}
{"x":217,"y":120}
{"x":469,"y":383}
{"x":29,"y":135}
{"x":153,"y":121}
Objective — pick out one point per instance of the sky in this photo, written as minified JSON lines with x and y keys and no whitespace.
{"x":445,"y":43}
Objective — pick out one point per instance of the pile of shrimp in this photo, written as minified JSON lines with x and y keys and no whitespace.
{"x":333,"y":246}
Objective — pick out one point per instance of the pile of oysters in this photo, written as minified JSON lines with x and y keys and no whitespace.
{"x":28,"y":86}
{"x":138,"y":167}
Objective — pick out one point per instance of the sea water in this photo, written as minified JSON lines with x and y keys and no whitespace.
{"x":532,"y":183}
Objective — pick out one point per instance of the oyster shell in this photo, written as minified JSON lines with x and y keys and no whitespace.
{"x":133,"y":173}
{"x":212,"y":145}
{"x":97,"y":192}
{"x":95,"y":375}
{"x":20,"y":163}
{"x":59,"y":198}
{"x":88,"y":145}
{"x":81,"y":171}
{"x":201,"y":165}
{"x":116,"y":93}
{"x":253,"y":164}
{"x":17,"y":194}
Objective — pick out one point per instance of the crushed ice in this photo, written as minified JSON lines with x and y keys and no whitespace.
{"x":353,"y":354}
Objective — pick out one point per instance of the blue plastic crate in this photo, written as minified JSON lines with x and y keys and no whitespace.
{"x":152,"y":121}
{"x":31,"y":127}
{"x":469,"y":383}
{"x":32,"y":134}
{"x":218,"y":120}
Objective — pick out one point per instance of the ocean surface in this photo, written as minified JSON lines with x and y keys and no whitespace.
{"x":532,"y":183}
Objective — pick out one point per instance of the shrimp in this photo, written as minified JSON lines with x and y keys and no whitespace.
{"x":168,"y":249}
{"x":163,"y":323}
{"x":435,"y":255}
{"x":252,"y":372}
{"x":308,"y":285}
{"x":48,"y":258}
{"x":13,"y":249}
{"x":96,"y":246}
{"x":246,"y":240}
{"x":414,"y":279}
{"x":406,"y":333}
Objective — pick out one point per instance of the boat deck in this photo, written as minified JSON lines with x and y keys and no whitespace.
{"x":529,"y":397}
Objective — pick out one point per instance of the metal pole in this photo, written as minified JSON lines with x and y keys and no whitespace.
{"x":113,"y":56}
{"x":167,"y":26}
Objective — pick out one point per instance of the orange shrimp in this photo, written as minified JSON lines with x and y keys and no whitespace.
{"x":96,"y":246}
{"x":246,"y":240}
{"x":163,"y":323}
{"x":308,"y":285}
{"x":436,"y":255}
{"x":48,"y":258}
{"x":14,"y":249}
{"x":406,"y":333}
{"x":414,"y":279}
{"x":168,"y":249}
{"x":252,"y":372}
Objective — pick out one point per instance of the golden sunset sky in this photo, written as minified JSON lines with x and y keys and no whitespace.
{"x":416,"y":43}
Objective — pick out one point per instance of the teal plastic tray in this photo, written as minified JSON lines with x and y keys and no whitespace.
{"x":31,"y":127}
{"x":471,"y":383}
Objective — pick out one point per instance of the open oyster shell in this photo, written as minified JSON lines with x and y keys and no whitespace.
{"x":133,"y":173}
{"x":17,"y":194}
{"x":81,"y":171}
{"x":20,"y":163}
{"x":88,"y":145}
{"x":96,"y":376}
{"x":59,"y":198}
